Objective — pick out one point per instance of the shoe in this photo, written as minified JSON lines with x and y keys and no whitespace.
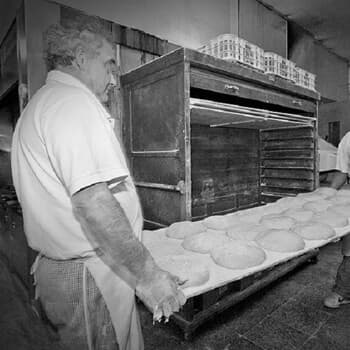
{"x":335,"y":300}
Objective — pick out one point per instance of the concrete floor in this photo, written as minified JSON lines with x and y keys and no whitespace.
{"x":287,"y":315}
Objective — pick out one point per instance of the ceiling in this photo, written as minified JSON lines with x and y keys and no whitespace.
{"x":327,"y":20}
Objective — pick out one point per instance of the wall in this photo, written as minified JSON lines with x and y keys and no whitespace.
{"x":331,"y":70}
{"x":187,"y":23}
{"x":262,"y":27}
{"x":337,"y":111}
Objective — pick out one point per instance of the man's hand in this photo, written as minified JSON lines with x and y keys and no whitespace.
{"x":161,"y":293}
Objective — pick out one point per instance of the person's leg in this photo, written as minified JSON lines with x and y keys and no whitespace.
{"x":341,"y":289}
{"x":61,"y":294}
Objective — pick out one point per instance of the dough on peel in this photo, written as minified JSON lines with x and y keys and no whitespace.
{"x":238,"y":255}
{"x":331,"y":218}
{"x":182,"y":229}
{"x":317,"y":206}
{"x":205,"y":241}
{"x":216,"y":222}
{"x":187,"y":268}
{"x":342,"y":209}
{"x":245,"y":231}
{"x":275,"y":221}
{"x":326,"y":192}
{"x":291,"y":202}
{"x":165,"y":247}
{"x":299,"y":214}
{"x":284,"y":241}
{"x":314,"y":230}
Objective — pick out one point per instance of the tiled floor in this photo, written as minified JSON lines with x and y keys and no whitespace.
{"x":287,"y":315}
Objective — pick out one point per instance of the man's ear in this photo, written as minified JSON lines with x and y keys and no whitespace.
{"x":80,"y":57}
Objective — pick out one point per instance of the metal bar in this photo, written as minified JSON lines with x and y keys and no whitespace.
{"x":158,"y":186}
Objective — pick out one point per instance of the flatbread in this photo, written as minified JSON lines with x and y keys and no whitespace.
{"x":340,"y":200}
{"x":182,"y":229}
{"x":238,"y":255}
{"x":331,"y":218}
{"x":187,"y":268}
{"x":245,"y":231}
{"x":314,"y":230}
{"x":275,"y":221}
{"x":205,"y":241}
{"x":283,"y":241}
{"x":299,"y":214}
{"x":317,"y":206}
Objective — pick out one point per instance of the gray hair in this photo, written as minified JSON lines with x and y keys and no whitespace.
{"x":60,"y":44}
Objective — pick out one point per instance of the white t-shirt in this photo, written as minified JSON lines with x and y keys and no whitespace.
{"x":343,"y":154}
{"x":62,"y":143}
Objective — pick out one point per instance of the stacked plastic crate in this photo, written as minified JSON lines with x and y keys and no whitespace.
{"x":231,"y":48}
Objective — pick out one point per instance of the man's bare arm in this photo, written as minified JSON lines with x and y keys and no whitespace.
{"x":110,"y":233}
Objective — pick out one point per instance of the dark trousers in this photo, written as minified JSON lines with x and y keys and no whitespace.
{"x":342,"y":281}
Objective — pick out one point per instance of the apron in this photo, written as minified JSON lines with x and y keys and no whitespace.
{"x":120,"y":301}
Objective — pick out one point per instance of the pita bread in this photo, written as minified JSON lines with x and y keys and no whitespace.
{"x":275,"y":221}
{"x":299,"y":214}
{"x":238,"y":255}
{"x":310,"y":196}
{"x":317,"y":206}
{"x":331,"y":218}
{"x":187,"y":268}
{"x":314,"y":230}
{"x":205,"y":241}
{"x":283,"y":241}
{"x":340,"y":200}
{"x":245,"y":231}
{"x":250,"y":217}
{"x":182,"y":229}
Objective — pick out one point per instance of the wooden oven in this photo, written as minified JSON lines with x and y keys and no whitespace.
{"x":204,"y":136}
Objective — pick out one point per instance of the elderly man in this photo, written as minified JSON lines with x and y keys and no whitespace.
{"x":80,"y":207}
{"x":341,"y":290}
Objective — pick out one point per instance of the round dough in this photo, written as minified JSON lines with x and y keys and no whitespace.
{"x":205,"y":241}
{"x":314,"y":230}
{"x":275,"y":221}
{"x":216,"y":222}
{"x":317,"y":206}
{"x":341,"y":209}
{"x":182,"y":229}
{"x":283,"y":241}
{"x":326,"y":192}
{"x":344,"y":193}
{"x":340,"y":200}
{"x":331,"y":218}
{"x":165,"y":247}
{"x":250,"y":217}
{"x":187,"y":268}
{"x":310,"y":196}
{"x":238,"y":255}
{"x":299,"y":214}
{"x":291,"y":202}
{"x":245,"y":231}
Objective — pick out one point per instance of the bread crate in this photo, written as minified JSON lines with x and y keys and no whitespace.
{"x":304,"y":78}
{"x":278,"y":65}
{"x":227,"y":47}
